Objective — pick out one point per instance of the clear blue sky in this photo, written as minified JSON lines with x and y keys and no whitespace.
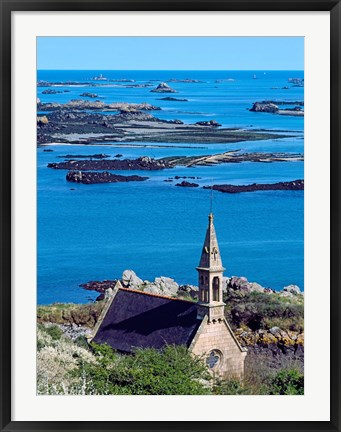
{"x":171,"y":53}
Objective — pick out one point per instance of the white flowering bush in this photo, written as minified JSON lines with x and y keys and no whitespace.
{"x":56,"y":360}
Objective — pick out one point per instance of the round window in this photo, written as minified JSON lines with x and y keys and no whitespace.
{"x":213,"y":359}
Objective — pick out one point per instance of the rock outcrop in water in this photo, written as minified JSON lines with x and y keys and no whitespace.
{"x":264,"y":107}
{"x":163,"y":88}
{"x":297,"y":82}
{"x":173,"y":99}
{"x":228,"y":188}
{"x":100,"y":177}
{"x":233,"y":156}
{"x":185,"y":81}
{"x":90,"y":95}
{"x":210,"y":123}
{"x":93,"y":156}
{"x":187,"y":184}
{"x":81,"y":122}
{"x":51,"y":91}
{"x":141,"y":163}
{"x":81,"y":104}
{"x":272,"y":108}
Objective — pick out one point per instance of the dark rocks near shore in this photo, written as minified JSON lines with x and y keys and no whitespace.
{"x":141,"y":163}
{"x":99,"y":286}
{"x":163,"y":88}
{"x":94,"y":177}
{"x":228,"y":188}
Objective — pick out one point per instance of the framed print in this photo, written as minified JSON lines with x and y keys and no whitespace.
{"x":170,"y":216}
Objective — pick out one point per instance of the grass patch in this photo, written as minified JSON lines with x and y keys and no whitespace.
{"x":69,"y":313}
{"x":262,"y":311}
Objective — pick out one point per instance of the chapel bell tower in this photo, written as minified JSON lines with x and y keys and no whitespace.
{"x":210,"y":271}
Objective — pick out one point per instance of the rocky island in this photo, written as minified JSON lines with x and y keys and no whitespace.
{"x":51,"y":91}
{"x":100,"y":177}
{"x":81,"y":105}
{"x":90,"y":95}
{"x":185,"y":81}
{"x":163,"y":88}
{"x":147,"y":163}
{"x":81,"y":122}
{"x":142,"y":163}
{"x":173,"y":99}
{"x":228,"y":188}
{"x":272,"y":108}
{"x":234,"y":156}
{"x":185,"y":183}
{"x":78,"y":156}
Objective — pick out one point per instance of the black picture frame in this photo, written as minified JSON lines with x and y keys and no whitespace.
{"x":7,"y":7}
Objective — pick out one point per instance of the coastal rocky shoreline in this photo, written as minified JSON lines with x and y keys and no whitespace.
{"x":147,"y":163}
{"x":243,"y":298}
{"x":83,"y":122}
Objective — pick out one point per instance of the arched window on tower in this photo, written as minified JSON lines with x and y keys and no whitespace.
{"x":206,"y":296}
{"x":202,"y":280}
{"x":202,"y":295}
{"x":216,"y":283}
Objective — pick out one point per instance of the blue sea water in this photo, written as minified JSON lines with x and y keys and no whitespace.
{"x":96,"y":231}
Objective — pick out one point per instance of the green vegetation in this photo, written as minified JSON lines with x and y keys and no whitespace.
{"x":67,"y":367}
{"x":69,"y":313}
{"x":287,"y":382}
{"x":149,"y":372}
{"x":256,"y":311}
{"x":74,"y":368}
{"x":284,"y":382}
{"x":52,"y":330}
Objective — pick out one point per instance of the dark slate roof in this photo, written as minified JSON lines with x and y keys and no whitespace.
{"x":140,"y":320}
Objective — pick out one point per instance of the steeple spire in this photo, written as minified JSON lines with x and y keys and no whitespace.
{"x":210,"y":271}
{"x":210,"y":255}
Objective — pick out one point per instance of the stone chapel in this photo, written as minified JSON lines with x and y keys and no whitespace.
{"x":134,"y":319}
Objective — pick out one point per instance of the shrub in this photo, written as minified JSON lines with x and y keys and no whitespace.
{"x":172,"y":371}
{"x":287,"y":382}
{"x":230,"y":387}
{"x":263,"y":311}
{"x":82,"y":342}
{"x":54,"y":331}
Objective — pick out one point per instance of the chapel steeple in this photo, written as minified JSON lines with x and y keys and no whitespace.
{"x":210,"y":271}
